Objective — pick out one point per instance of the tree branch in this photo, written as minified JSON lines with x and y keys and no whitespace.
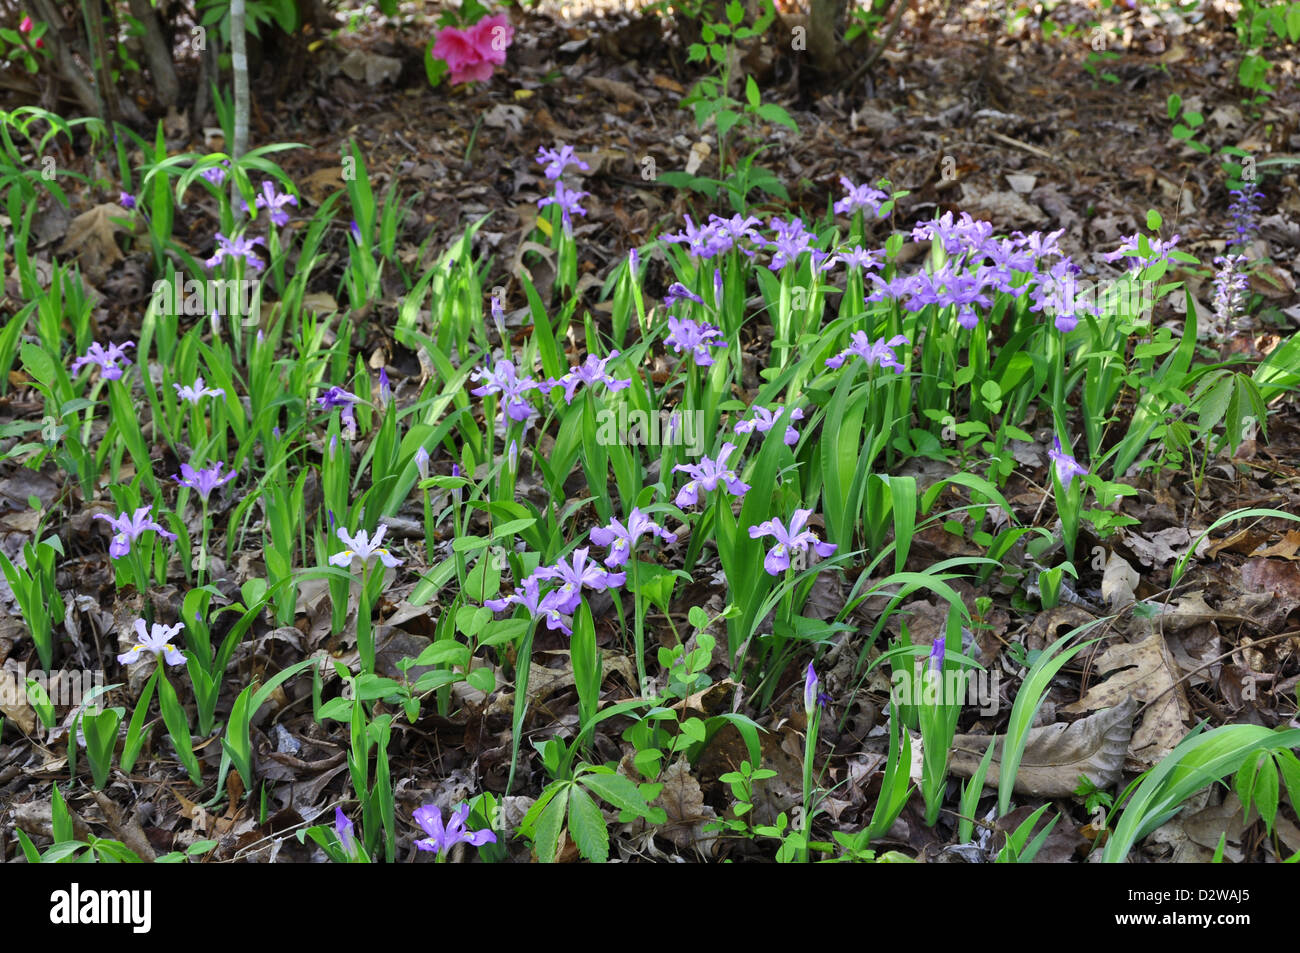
{"x":889,"y":38}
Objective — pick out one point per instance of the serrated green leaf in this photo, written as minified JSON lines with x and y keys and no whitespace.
{"x":587,"y":827}
{"x":616,"y":790}
{"x":546,"y":840}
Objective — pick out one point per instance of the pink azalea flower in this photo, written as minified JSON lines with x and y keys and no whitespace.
{"x":472,"y":54}
{"x":493,"y":36}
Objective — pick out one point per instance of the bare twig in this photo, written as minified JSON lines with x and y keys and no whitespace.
{"x":870,"y":61}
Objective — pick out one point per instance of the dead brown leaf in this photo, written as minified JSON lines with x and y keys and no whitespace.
{"x":1118,"y":582}
{"x":1244,"y":541}
{"x":1280,"y":578}
{"x":92,"y":236}
{"x":615,"y":89}
{"x":1286,"y":548}
{"x":1147,"y":671}
{"x":1055,"y":755}
{"x":683,"y":801}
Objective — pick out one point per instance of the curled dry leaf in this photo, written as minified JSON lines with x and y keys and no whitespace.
{"x":1118,"y":582}
{"x":615,"y":89}
{"x":1287,"y":548}
{"x":92,"y":235}
{"x":371,"y":67}
{"x":1280,"y":577}
{"x":683,"y":801}
{"x":1055,"y":755}
{"x":35,"y":818}
{"x":1147,"y":671}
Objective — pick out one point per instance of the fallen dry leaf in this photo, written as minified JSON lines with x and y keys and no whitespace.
{"x":371,"y":67}
{"x":1286,"y":548}
{"x":1055,"y":755}
{"x":1147,"y":671}
{"x":1118,"y":582}
{"x":683,"y":801}
{"x":1280,"y":578}
{"x":615,"y":89}
{"x":1156,"y":549}
{"x":1244,"y":541}
{"x":13,"y":697}
{"x":92,"y":236}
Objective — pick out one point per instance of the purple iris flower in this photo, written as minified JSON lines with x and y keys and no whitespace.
{"x":237,"y":247}
{"x":677,"y":292}
{"x":215,"y":174}
{"x":590,"y":372}
{"x":857,"y":257}
{"x":205,"y":480}
{"x":127,"y":529}
{"x":937,"y":654}
{"x":198,"y":391}
{"x":724,"y":234}
{"x":891,"y":289}
{"x":442,"y":839}
{"x":528,"y":594}
{"x":336,"y":397}
{"x":1038,"y":244}
{"x":963,"y":237}
{"x":698,"y":239}
{"x":504,"y":379}
{"x":385,"y":389}
{"x":622,"y":540}
{"x":557,"y":160}
{"x":345,"y":830}
{"x":567,"y":199}
{"x":106,"y":359}
{"x":706,"y":475}
{"x":1055,"y":293}
{"x":1130,"y":247}
{"x":1067,"y":468}
{"x":810,"y":683}
{"x":686,"y":335}
{"x":859,"y":197}
{"x":1009,"y":254}
{"x":822,"y":260}
{"x":576,"y":574}
{"x":342,"y":399}
{"x":126,"y":200}
{"x":273,"y":202}
{"x":794,"y":539}
{"x":792,"y":240}
{"x":764,"y":419}
{"x":876,"y":353}
{"x":158,"y":641}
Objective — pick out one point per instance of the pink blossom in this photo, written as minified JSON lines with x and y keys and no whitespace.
{"x":472,"y":54}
